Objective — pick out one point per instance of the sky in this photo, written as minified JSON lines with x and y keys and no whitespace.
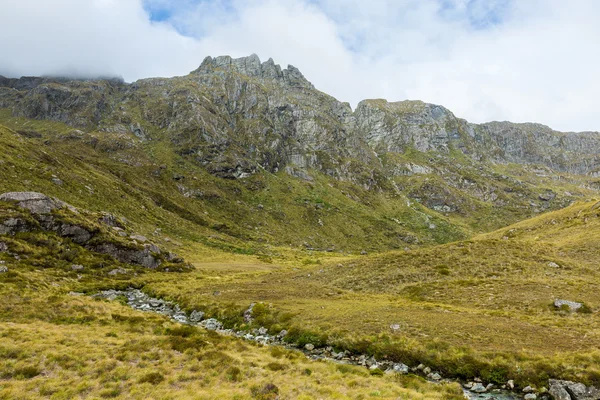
{"x":515,"y":60}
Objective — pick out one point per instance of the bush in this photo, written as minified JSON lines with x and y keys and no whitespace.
{"x":27,"y":372}
{"x":274,"y":366}
{"x":266,"y":392}
{"x":234,"y":374}
{"x":152,"y":377}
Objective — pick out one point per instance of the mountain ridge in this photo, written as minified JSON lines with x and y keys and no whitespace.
{"x":243,"y":119}
{"x":405,"y":123}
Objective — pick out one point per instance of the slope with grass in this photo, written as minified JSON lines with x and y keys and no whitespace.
{"x":272,"y":190}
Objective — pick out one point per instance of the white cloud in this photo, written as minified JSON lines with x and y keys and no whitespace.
{"x":525,"y":60}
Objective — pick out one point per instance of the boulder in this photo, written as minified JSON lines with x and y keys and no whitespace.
{"x":139,"y":238}
{"x":211,"y":324}
{"x":530,"y":396}
{"x":573,"y":305}
{"x":434,"y":376}
{"x":143,"y":257}
{"x":77,"y":267}
{"x":478,"y":388}
{"x":400,"y":368}
{"x":37,"y":203}
{"x":117,"y":271}
{"x":3,"y":247}
{"x":567,"y":390}
{"x":309,"y":346}
{"x":3,"y":269}
{"x":196,"y":316}
{"x":10,"y":226}
{"x":76,"y":233}
{"x":548,"y":196}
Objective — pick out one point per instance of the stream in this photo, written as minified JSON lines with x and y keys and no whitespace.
{"x":138,"y":300}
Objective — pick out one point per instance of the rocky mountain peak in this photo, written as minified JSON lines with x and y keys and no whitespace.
{"x":252,"y":66}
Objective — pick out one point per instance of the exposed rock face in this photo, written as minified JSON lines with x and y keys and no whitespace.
{"x":395,"y":127}
{"x":240,"y":115}
{"x":40,"y":206}
{"x":236,"y":117}
{"x":37,"y":203}
{"x":143,"y":257}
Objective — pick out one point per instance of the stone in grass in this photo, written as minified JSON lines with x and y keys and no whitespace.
{"x":117,"y":271}
{"x":211,"y":324}
{"x":434,"y":376}
{"x":3,"y":247}
{"x":196,"y":316}
{"x":478,"y":388}
{"x":400,"y":368}
{"x":309,"y":346}
{"x":573,"y":305}
{"x":3,"y":268}
{"x":77,"y":267}
{"x":530,"y":396}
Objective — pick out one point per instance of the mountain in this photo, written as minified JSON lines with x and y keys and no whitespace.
{"x":239,"y":197}
{"x":242,"y":120}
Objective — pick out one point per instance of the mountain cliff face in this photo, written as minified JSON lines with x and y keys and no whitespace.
{"x":238,"y":115}
{"x":238,"y":118}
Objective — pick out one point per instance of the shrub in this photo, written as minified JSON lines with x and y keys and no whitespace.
{"x":152,"y":377}
{"x":266,"y":392}
{"x":27,"y":372}
{"x":274,"y":366}
{"x":234,"y":374}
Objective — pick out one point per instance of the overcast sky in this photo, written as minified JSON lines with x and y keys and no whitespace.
{"x":517,"y":60}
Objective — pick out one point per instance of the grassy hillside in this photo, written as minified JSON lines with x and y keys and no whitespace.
{"x":467,"y":305}
{"x":478,"y":307}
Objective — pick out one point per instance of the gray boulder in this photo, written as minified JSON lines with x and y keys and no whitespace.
{"x":75,"y":232}
{"x":478,"y":388}
{"x":3,"y":247}
{"x":37,"y":203}
{"x":77,"y":267}
{"x":3,"y":268}
{"x":143,"y":257}
{"x":567,"y":390}
{"x":400,"y":368}
{"x":196,"y":316}
{"x":117,"y":271}
{"x":573,"y":305}
{"x":10,"y":226}
{"x":211,"y":324}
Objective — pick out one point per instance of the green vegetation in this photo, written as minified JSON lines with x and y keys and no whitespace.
{"x":471,"y":296}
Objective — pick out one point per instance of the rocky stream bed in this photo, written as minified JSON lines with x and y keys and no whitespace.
{"x":476,"y":390}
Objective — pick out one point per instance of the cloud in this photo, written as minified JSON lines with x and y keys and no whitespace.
{"x":525,"y":60}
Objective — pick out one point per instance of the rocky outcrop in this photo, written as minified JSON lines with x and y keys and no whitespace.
{"x":567,"y":390}
{"x":37,"y":203}
{"x":238,"y":116}
{"x":144,"y":257}
{"x":251,"y":66}
{"x":41,"y":217}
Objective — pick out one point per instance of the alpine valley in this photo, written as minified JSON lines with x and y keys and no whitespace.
{"x":237,"y":233}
